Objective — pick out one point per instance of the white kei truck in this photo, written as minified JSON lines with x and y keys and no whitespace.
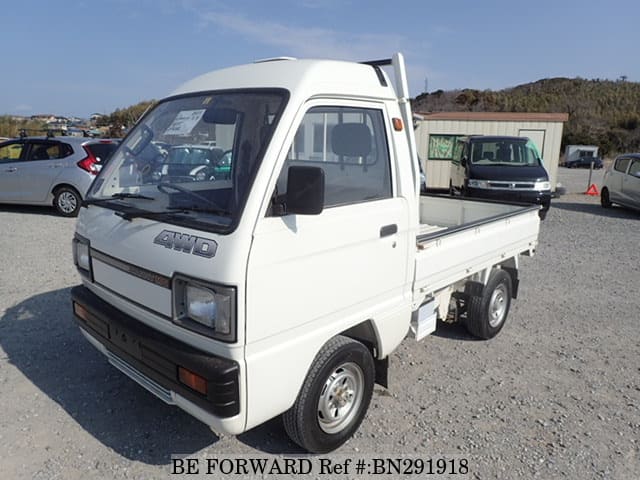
{"x":258,"y":245}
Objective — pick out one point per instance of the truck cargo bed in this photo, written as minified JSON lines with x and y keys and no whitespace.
{"x":459,"y":237}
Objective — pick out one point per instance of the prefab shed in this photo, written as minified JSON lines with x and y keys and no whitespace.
{"x":436,"y":134}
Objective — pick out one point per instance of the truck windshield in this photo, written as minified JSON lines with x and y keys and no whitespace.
{"x":192,"y":158}
{"x":504,"y":152}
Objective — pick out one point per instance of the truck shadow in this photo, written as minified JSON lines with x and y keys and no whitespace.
{"x":30,"y":210}
{"x":454,"y":331}
{"x":271,"y":437}
{"x":596,"y":209}
{"x":41,"y":340}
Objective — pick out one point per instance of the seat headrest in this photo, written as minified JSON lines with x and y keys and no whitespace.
{"x":351,"y":139}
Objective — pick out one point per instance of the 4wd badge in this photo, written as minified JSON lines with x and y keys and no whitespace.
{"x":183,"y":242}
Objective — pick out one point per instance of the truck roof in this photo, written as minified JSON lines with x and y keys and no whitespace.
{"x":305,"y":77}
{"x":496,"y":138}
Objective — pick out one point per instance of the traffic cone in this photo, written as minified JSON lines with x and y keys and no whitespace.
{"x":592,"y":190}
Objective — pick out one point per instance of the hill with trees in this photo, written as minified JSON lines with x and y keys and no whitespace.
{"x":601,"y":112}
{"x":10,"y":126}
{"x":121,"y":120}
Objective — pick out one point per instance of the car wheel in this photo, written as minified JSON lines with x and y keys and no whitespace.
{"x":334,"y":397}
{"x":542,"y":214}
{"x":67,"y":201}
{"x":488,"y":310}
{"x":605,"y":201}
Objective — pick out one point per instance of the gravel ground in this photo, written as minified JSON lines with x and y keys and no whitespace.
{"x":555,"y":395}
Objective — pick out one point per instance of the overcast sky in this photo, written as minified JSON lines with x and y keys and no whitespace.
{"x":79,"y":57}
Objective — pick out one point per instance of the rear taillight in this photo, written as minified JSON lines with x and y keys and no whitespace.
{"x":89,"y":163}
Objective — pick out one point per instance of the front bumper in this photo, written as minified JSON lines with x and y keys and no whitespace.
{"x":152,"y":359}
{"x":542,"y":198}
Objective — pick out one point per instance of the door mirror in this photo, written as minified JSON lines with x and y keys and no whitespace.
{"x":305,"y":190}
{"x":463,"y":161}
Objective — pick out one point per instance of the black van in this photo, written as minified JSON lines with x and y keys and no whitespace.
{"x":500,"y":168}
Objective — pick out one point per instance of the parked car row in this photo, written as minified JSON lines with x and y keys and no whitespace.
{"x":621,"y":184}
{"x":585,"y":162}
{"x":51,"y":171}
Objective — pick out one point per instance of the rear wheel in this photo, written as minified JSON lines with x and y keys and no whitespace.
{"x":605,"y":201}
{"x":488,"y":310}
{"x":67,"y":201}
{"x":334,"y":397}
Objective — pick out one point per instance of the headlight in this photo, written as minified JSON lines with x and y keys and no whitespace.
{"x":81,"y":254}
{"x":542,"y":186}
{"x":478,"y":183}
{"x":205,"y":308}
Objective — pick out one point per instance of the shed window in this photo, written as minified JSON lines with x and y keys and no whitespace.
{"x":442,"y":147}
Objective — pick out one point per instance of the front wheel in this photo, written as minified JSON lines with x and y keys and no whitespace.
{"x":605,"y":201}
{"x":67,"y":201}
{"x":487,"y":312}
{"x":334,"y":397}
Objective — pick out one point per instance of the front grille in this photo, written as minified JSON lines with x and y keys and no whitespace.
{"x":512,"y":185}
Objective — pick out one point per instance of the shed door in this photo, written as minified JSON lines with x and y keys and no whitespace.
{"x":536,"y":136}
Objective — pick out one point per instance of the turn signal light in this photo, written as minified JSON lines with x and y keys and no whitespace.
{"x":397,"y":124}
{"x":81,"y":312}
{"x":192,"y":380}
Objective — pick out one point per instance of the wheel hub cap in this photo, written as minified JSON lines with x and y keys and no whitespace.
{"x":67,"y":202}
{"x":340,"y":398}
{"x":498,"y":306}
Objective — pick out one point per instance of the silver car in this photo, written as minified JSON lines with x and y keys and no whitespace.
{"x":621,"y":183}
{"x":51,"y":171}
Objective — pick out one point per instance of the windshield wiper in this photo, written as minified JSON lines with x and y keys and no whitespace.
{"x":117,"y":196}
{"x":131,"y":214}
{"x":197,"y":208}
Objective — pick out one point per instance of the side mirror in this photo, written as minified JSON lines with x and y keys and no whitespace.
{"x":463,"y":161}
{"x":305,"y":190}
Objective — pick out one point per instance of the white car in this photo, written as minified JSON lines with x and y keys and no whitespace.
{"x":621,"y":184}
{"x":54,"y":171}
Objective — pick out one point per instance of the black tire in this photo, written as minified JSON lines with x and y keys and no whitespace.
{"x":542,"y":213}
{"x":487,"y":311}
{"x":605,"y":201}
{"x":343,"y":367}
{"x":67,"y":201}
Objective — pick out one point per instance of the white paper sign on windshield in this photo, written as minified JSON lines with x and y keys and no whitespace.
{"x":184,"y":122}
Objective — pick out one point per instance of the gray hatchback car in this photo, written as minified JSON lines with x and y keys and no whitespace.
{"x":51,"y":171}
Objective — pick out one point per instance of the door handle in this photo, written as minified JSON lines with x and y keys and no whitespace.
{"x":388,"y":230}
{"x":11,"y":169}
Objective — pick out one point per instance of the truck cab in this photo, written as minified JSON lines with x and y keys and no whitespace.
{"x":500,"y":168}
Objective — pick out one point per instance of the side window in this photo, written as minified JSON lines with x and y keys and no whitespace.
{"x":635,"y":168}
{"x":350,"y":145}
{"x":622,"y":164}
{"x":49,"y":150}
{"x":11,"y":152}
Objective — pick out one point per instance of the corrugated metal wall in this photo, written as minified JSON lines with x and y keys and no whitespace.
{"x":438,"y":171}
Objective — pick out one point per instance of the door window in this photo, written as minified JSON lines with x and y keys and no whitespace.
{"x":635,"y":168}
{"x":49,"y":150}
{"x":11,"y":152}
{"x":622,"y":164}
{"x":350,"y":145}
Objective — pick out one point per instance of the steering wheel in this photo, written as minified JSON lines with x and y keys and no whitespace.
{"x":164,"y":187}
